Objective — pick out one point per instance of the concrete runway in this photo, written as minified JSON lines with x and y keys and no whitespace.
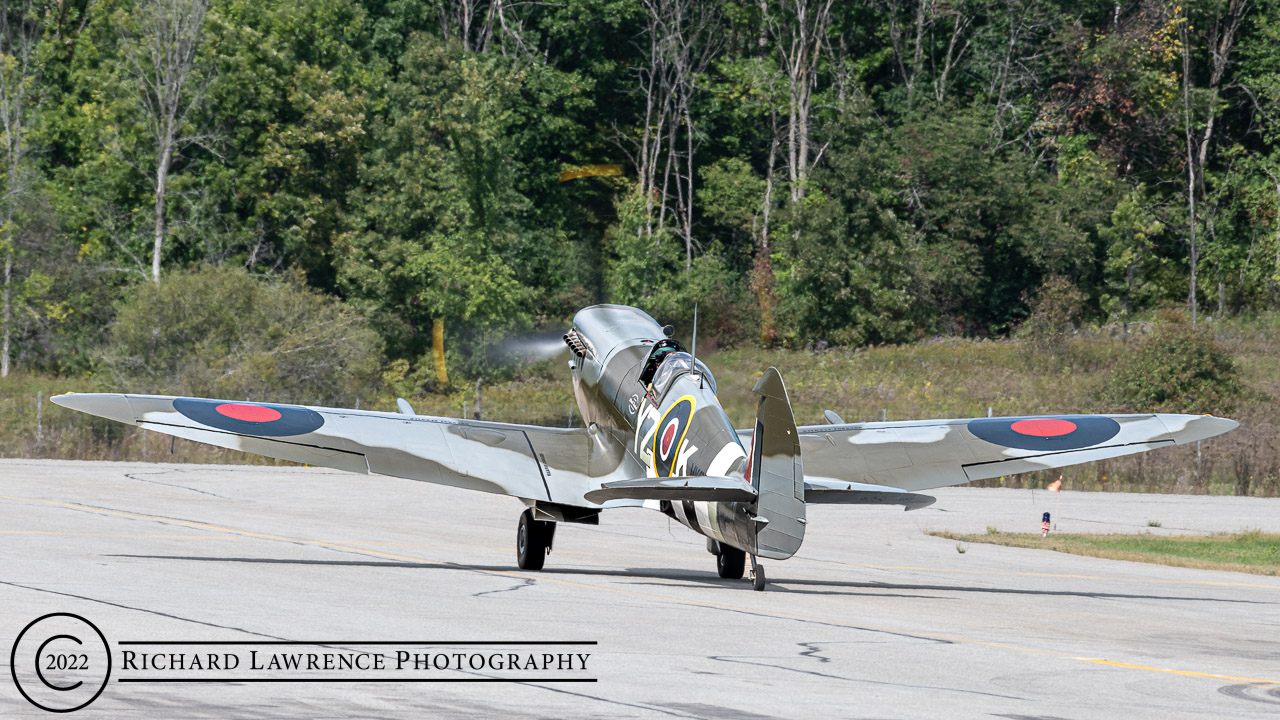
{"x":873,"y":619}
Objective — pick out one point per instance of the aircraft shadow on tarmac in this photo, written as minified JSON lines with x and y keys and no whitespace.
{"x":693,"y":578}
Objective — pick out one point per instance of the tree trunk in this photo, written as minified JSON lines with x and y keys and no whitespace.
{"x":1191,"y":167}
{"x":952,"y":58}
{"x":162,"y":59}
{"x":437,"y":348}
{"x":688,"y":209}
{"x":162,"y":180}
{"x":763,"y":270}
{"x":8,"y":289}
{"x":762,"y":279}
{"x":17,"y":77}
{"x":915,"y":60}
{"x":802,"y":49}
{"x":793,"y":159}
{"x":645,"y":164}
{"x":8,"y":311}
{"x":1221,"y":40}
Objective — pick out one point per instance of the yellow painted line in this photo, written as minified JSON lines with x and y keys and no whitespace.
{"x":1178,"y":672}
{"x":635,"y":593}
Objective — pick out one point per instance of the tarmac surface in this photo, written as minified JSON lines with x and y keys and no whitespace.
{"x":873,"y":618}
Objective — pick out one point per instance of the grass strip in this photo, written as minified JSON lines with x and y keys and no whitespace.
{"x":1248,"y":551}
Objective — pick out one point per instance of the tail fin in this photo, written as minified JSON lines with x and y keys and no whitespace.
{"x":776,"y":471}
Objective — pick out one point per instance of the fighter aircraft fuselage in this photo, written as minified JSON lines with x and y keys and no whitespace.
{"x":644,"y":390}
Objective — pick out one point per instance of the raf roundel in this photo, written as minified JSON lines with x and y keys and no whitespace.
{"x":1047,"y":434}
{"x":672,"y":428}
{"x":250,"y":418}
{"x":668,"y":437}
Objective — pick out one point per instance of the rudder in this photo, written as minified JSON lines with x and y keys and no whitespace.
{"x":776,"y":471}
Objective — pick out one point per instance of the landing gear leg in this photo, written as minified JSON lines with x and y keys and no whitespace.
{"x":533,"y":541}
{"x":757,"y":575}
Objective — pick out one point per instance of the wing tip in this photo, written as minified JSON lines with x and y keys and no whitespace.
{"x":1193,"y":428}
{"x":113,"y":406}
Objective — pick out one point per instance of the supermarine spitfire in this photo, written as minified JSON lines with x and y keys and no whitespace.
{"x":657,"y":437}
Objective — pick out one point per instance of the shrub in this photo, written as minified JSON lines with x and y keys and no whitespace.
{"x":220,"y":332}
{"x":1178,"y":369}
{"x":1056,"y":311}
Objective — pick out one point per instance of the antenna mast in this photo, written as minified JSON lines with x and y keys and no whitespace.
{"x":694,"y":344}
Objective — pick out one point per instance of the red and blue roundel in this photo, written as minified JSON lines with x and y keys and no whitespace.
{"x":1049,"y":434}
{"x":250,"y":418}
{"x":670,"y":434}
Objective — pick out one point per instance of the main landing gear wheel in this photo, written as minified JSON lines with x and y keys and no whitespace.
{"x":731,"y":562}
{"x":533,"y":541}
{"x":757,"y":575}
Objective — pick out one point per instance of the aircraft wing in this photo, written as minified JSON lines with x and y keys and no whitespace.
{"x":526,"y":461}
{"x":922,"y":454}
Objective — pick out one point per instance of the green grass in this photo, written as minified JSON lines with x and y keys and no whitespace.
{"x":1249,"y":551}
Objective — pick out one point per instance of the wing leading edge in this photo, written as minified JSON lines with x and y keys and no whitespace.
{"x":526,"y":461}
{"x":925,"y":454}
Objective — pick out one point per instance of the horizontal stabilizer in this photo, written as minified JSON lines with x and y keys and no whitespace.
{"x":827,"y":492}
{"x":705,"y":487}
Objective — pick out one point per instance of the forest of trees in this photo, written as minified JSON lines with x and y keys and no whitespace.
{"x":809,"y":172}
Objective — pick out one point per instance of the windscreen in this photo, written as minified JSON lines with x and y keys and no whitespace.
{"x":676,"y":364}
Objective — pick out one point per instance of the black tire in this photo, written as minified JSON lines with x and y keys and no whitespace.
{"x":757,"y":579}
{"x":731,"y":562}
{"x":533,"y":540}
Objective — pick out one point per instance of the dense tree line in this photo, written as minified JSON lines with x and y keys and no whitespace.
{"x":807,"y":171}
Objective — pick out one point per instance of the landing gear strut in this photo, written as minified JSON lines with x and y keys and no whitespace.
{"x":533,"y":541}
{"x":757,"y":575}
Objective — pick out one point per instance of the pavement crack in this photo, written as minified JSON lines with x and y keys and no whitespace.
{"x":813,"y":651}
{"x":745,"y":661}
{"x":611,"y":701}
{"x":141,"y":610}
{"x":134,"y":476}
{"x":526,"y":582}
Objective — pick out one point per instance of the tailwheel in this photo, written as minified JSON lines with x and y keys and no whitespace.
{"x":731,"y":562}
{"x":757,"y":575}
{"x":533,"y":541}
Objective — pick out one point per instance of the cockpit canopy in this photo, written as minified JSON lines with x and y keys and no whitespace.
{"x":659,"y":353}
{"x":675,"y":364}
